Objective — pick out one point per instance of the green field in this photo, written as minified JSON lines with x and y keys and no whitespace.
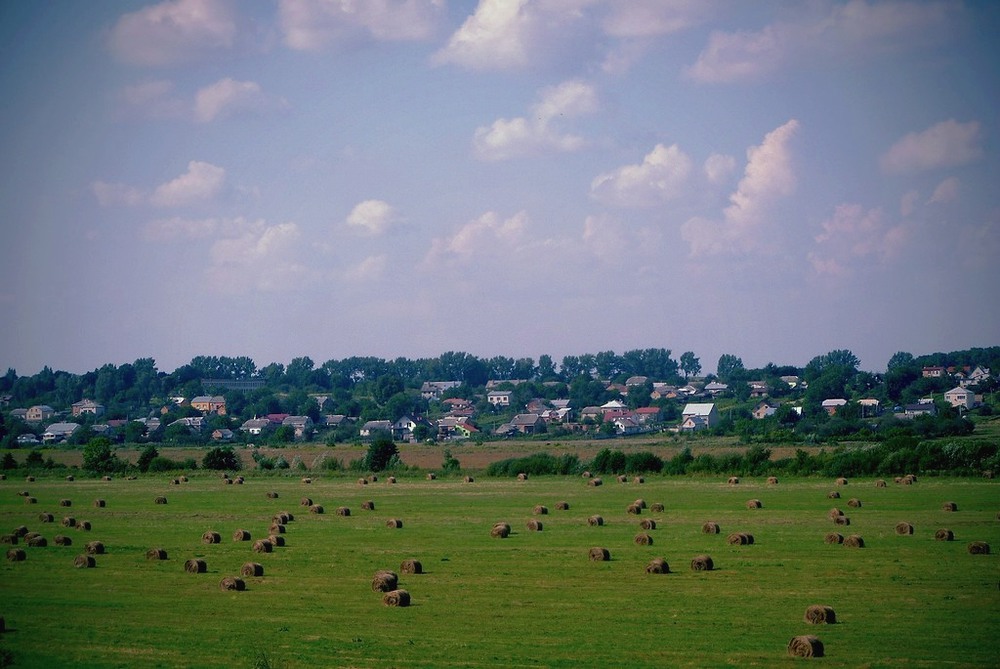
{"x":531,"y":600}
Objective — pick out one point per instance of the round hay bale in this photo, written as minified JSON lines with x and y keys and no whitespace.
{"x":362,"y":481}
{"x":46,"y":517}
{"x":562,"y":506}
{"x":833,"y":538}
{"x":842,"y":520}
{"x":818,"y":614}
{"x":641,"y":503}
{"x":643,"y":539}
{"x":534,"y":525}
{"x":228,"y":481}
{"x":343,"y":511}
{"x":184,"y":479}
{"x":621,"y":478}
{"x":595,"y":521}
{"x":83,"y":525}
{"x":854,"y":541}
{"x":805,"y":645}
{"x":634,"y":509}
{"x":62,"y":540}
{"x":500,"y":531}
{"x":595,"y":482}
{"x":909,"y":479}
{"x":175,"y":482}
{"x":288,"y":517}
{"x":65,"y":502}
{"x":833,"y":494}
{"x":586,"y":475}
{"x":271,"y":494}
{"x":431,"y":476}
{"x":702,"y":563}
{"x":69,"y":521}
{"x":30,"y":500}
{"x":854,"y":503}
{"x":944,"y":535}
{"x":540,"y":510}
{"x":754,"y":504}
{"x":225,"y":475}
{"x":233,"y":583}
{"x":29,"y":479}
{"x":880,"y":483}
{"x":733,"y":480}
{"x":411,"y":566}
{"x":391,"y":480}
{"x":647,"y":524}
{"x":317,"y":509}
{"x":280,"y":518}
{"x":16,"y":555}
{"x":834,"y":513}
{"x":241,"y":535}
{"x":394,"y":523}
{"x":898,"y":479}
{"x":904,"y":528}
{"x":70,"y":478}
{"x":523,"y":476}
{"x":949,"y":506}
{"x":9,"y":539}
{"x":368,"y":505}
{"x":306,"y":501}
{"x":84,"y":562}
{"x":396,"y":598}
{"x":657,"y":507}
{"x":599,"y":554}
{"x":99,"y":503}
{"x":841,"y":481}
{"x":307,"y":480}
{"x":156,"y":554}
{"x":37,"y":542}
{"x":772,"y":480}
{"x":638,"y":479}
{"x":276,"y":528}
{"x":737,"y":539}
{"x":31,"y":535}
{"x":384,"y":581}
{"x":262,"y":546}
{"x":979,"y":548}
{"x":252,"y":569}
{"x":658,"y":566}
{"x":94,"y":547}
{"x":20,"y":530}
{"x":160,"y":500}
{"x":468,"y":479}
{"x":24,"y":493}
{"x":211,"y":537}
{"x":710,"y":528}
{"x":238,"y":480}
{"x":105,"y":478}
{"x":276,"y":540}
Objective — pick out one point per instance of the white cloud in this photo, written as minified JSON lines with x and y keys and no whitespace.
{"x":173,"y":31}
{"x":487,"y":236}
{"x":769,"y":176}
{"x":946,"y":191}
{"x":227,"y":97}
{"x":374,"y":217}
{"x":653,"y":18}
{"x":255,"y":256}
{"x":945,"y":144}
{"x":507,"y":138}
{"x":496,"y":36}
{"x":660,"y":177}
{"x":202,"y":182}
{"x":371,"y":268}
{"x":311,"y":25}
{"x":112,"y":194}
{"x":854,"y":236}
{"x":718,"y":167}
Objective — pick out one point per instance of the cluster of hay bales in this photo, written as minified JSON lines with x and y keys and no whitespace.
{"x":978,"y":548}
{"x":35,"y":540}
{"x":634,"y":509}
{"x":805,"y":645}
{"x":384,"y":581}
{"x":262,"y":546}
{"x":16,"y":555}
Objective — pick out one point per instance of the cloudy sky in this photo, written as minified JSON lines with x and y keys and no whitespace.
{"x":330,"y":178}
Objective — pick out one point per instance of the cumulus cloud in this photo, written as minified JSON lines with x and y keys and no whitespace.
{"x":371,"y":268}
{"x":660,"y":177}
{"x":853,"y":236}
{"x":201,"y":182}
{"x":946,"y":191}
{"x":769,"y":176}
{"x":495,"y":36}
{"x":173,"y":31}
{"x":229,"y":97}
{"x":945,"y":144}
{"x":374,"y":217}
{"x":507,"y":138}
{"x":311,"y":25}
{"x":255,"y":256}
{"x":652,"y":18}
{"x":487,"y":236}
{"x":718,"y":167}
{"x":113,"y":194}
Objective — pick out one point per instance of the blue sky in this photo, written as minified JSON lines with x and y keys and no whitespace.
{"x":504,"y":177}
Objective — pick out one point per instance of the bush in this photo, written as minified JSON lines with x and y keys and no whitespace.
{"x":608,"y":462}
{"x":162,"y":464}
{"x":382,"y":453}
{"x":221,"y":458}
{"x":539,"y":464}
{"x":643,"y":462}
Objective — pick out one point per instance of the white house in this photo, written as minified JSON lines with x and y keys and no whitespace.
{"x":704,"y":412}
{"x":499,"y":398}
{"x":59,"y":432}
{"x":961,"y":397}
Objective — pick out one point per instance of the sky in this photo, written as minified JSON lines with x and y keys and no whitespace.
{"x":337,"y":178}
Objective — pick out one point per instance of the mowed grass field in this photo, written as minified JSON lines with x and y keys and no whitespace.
{"x":533,"y":599}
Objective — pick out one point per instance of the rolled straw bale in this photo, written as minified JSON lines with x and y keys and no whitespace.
{"x":211,"y":537}
{"x":69,"y":521}
{"x":772,"y":480}
{"x":754,"y":504}
{"x":20,"y":530}
{"x":431,"y":476}
{"x":396,"y":598}
{"x":195,"y":566}
{"x":368,"y":505}
{"x":841,"y":481}
{"x":70,"y":478}
{"x":37,"y":542}
{"x":16,"y":555}
{"x":307,"y":480}
{"x":710,"y":528}
{"x":83,"y":525}
{"x":343,"y":511}
{"x":94,"y":547}
{"x":276,"y":528}
{"x":24,"y":493}
{"x":306,"y":501}
{"x":638,"y":479}
{"x":469,"y":479}
{"x":805,"y":645}
{"x":658,"y":566}
{"x":599,"y":554}
{"x":316,"y":508}
{"x":979,"y":548}
{"x":373,"y":478}
{"x":500,"y":531}
{"x":656,"y":507}
{"x":252,"y":569}
{"x":99,"y":503}
{"x":105,"y":478}
{"x":276,"y":540}
{"x":262,"y":546}
{"x":46,"y":517}
{"x":394,"y":523}
{"x":854,"y":541}
{"x":854,"y":503}
{"x":643,"y":539}
{"x":949,"y":506}
{"x":647,"y":524}
{"x":534,"y":525}
{"x":702,"y":563}
{"x":30,"y":500}
{"x":595,"y":482}
{"x":271,"y":494}
{"x":880,"y":483}
{"x":9,"y":539}
{"x":184,"y":479}
{"x":384,"y":581}
{"x":362,"y":481}
{"x":62,"y":540}
{"x":29,"y":479}
{"x":411,"y":566}
{"x":160,"y":500}
{"x":842,"y":520}
{"x":523,"y":476}
{"x":540,"y":510}
{"x":84,"y":562}
{"x":586,"y":475}
{"x":391,"y":480}
{"x":737,"y":539}
{"x":288,"y":517}
{"x":898,"y":479}
{"x":733,"y":480}
{"x":944,"y":535}
{"x":818,"y":614}
{"x":904,"y":528}
{"x":233,"y":583}
{"x":65,"y":502}
{"x":175,"y":482}
{"x":31,"y":535}
{"x":238,"y":480}
{"x":641,"y":503}
{"x":909,"y":479}
{"x":562,"y":506}
{"x":833,"y":494}
{"x":634,"y":509}
{"x":595,"y":521}
{"x":834,"y":513}
{"x":280,"y":518}
{"x":225,"y":475}
{"x":833,"y":538}
{"x":156,"y":554}
{"x":241,"y":535}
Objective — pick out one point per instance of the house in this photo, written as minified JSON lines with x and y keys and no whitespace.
{"x":193,"y":423}
{"x":764,"y":410}
{"x":933,"y":372}
{"x":27,"y":439}
{"x":209,"y":404}
{"x":960,"y":397}
{"x":402,"y":429}
{"x":59,"y":432}
{"x":537,"y":405}
{"x":19,"y":413}
{"x":693,"y":424}
{"x":703,"y":411}
{"x":648,"y":415}
{"x":333,"y":420}
{"x":627,"y":425}
{"x":372,"y":426}
{"x":86,"y":406}
{"x":39,"y":413}
{"x":499,"y":398}
{"x":302,"y":425}
{"x":758,"y":388}
{"x":496,"y":383}
{"x":432,"y":390}
{"x":869,"y":407}
{"x":222,"y":434}
{"x":975,"y":377}
{"x":636,"y":381}
{"x":831,"y":406}
{"x":591,"y":413}
{"x":922,"y":408}
{"x":714,"y":388}
{"x":457,"y":404}
{"x":791,"y":381}
{"x":527,"y":423}
{"x":255,"y":426}
{"x":151,"y":424}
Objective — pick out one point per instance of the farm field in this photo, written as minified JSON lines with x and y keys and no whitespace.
{"x":533,"y":599}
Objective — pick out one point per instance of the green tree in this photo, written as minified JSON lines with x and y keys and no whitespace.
{"x":690,"y":364}
{"x":451,"y":463}
{"x":382,"y":453}
{"x":99,"y":457}
{"x":8,"y":461}
{"x":221,"y":458}
{"x":148,"y":455}
{"x":728,"y":365}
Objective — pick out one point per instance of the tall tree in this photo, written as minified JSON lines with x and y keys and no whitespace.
{"x":728,"y":365}
{"x":690,"y":364}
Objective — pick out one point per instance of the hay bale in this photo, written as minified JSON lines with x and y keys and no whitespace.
{"x":898,"y":479}
{"x":738,"y":539}
{"x":833,"y":538}
{"x":105,"y":478}
{"x":772,"y":480}
{"x":37,"y":542}
{"x":647,"y":524}
{"x":805,"y":645}
{"x":754,"y":504}
{"x":431,"y":476}
{"x":233,"y":583}
{"x":595,"y":521}
{"x":396,"y":598}
{"x":184,"y":479}
{"x":833,"y":494}
{"x":944,"y":535}
{"x":20,"y":530}
{"x":841,"y":481}
{"x":562,"y":506}
{"x":634,"y":509}
{"x":276,"y":528}
{"x":29,"y":479}
{"x":362,"y":481}
{"x":318,"y":509}
{"x":394,"y":523}
{"x":733,"y":480}
{"x":99,"y":503}
{"x":586,"y":475}
{"x":979,"y":548}
{"x":909,"y":479}
{"x":211,"y":537}
{"x":904,"y":528}
{"x":24,"y":493}
{"x":307,"y":480}
{"x":241,"y":535}
{"x":252,"y":569}
{"x":276,"y":540}
{"x":534,"y":525}
{"x":658,"y":566}
{"x":343,"y":511}
{"x":84,"y":562}
{"x":657,"y":507}
{"x":271,"y":494}
{"x":842,"y":520}
{"x":411,"y":566}
{"x":710,"y":528}
{"x":175,"y":482}
{"x":83,"y":525}
{"x":30,"y":500}
{"x":62,"y":540}
{"x":834,"y":513}
{"x":9,"y":539}
{"x":818,"y":614}
{"x":540,"y":510}
{"x":288,"y":516}
{"x":94,"y":547}
{"x":523,"y":476}
{"x":31,"y":535}
{"x":702,"y":563}
{"x":949,"y":506}
{"x":468,"y":479}
{"x":373,"y":478}
{"x":854,"y":541}
{"x":641,"y":503}
{"x":643,"y":539}
{"x":160,"y":500}
{"x":384,"y":581}
{"x":595,"y":482}
{"x":391,"y":480}
{"x":621,"y":478}
{"x":46,"y":517}
{"x":280,"y":518}
{"x":65,"y":502}
{"x":228,"y":481}
{"x":16,"y":555}
{"x":638,"y":479}
{"x":880,"y":483}
{"x":262,"y":546}
{"x":500,"y":531}
{"x":854,"y":503}
{"x":306,"y":501}
{"x":368,"y":505}
{"x":599,"y":554}
{"x":156,"y":554}
{"x":69,"y":521}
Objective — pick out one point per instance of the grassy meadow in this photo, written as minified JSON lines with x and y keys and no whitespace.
{"x":530,"y":600}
